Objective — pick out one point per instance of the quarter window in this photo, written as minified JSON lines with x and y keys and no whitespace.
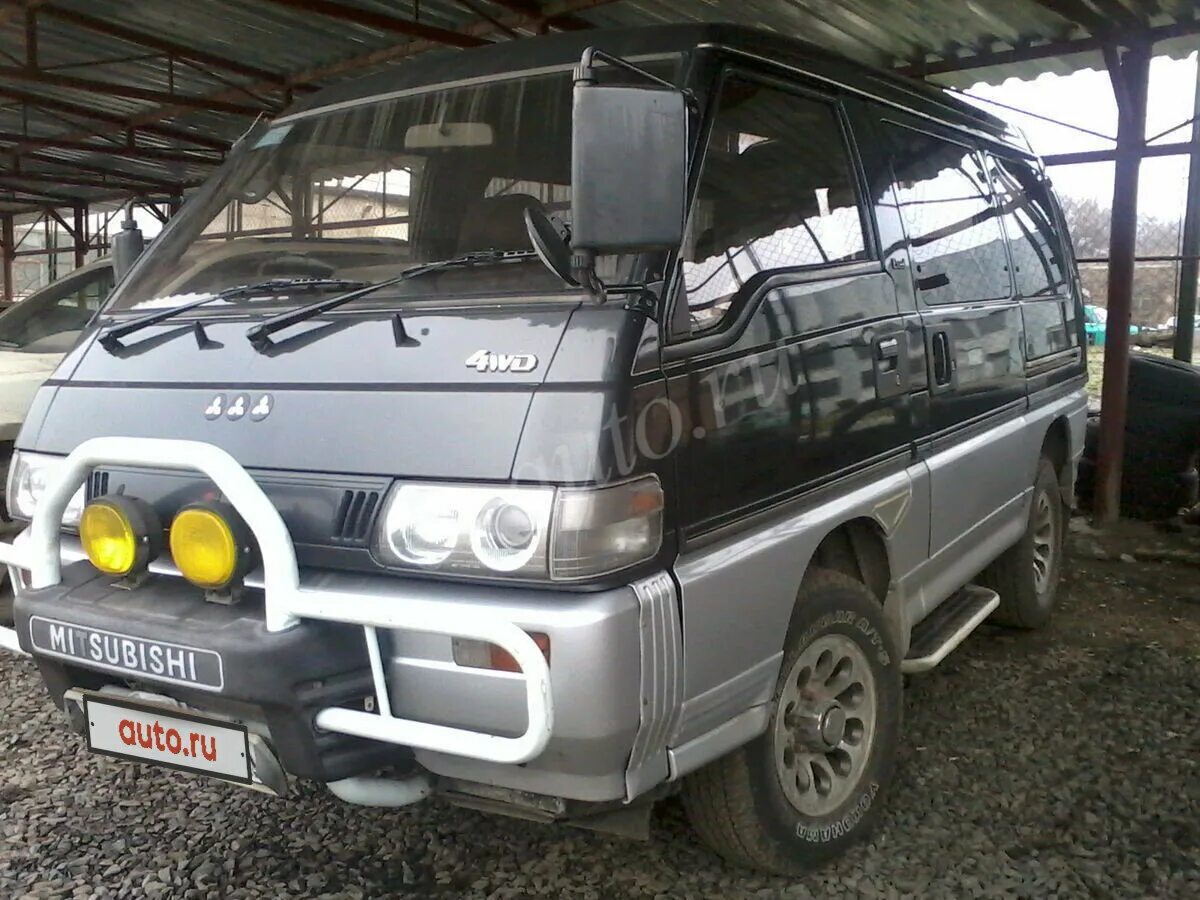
{"x":954,"y":237}
{"x":1029,"y":223}
{"x":1045,"y":329}
{"x":777,"y":192}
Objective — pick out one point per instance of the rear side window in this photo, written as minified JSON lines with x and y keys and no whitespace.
{"x":1029,"y":223}
{"x":777,"y":192}
{"x":954,"y":235}
{"x":1045,"y":329}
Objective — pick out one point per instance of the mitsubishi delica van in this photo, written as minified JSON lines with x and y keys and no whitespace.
{"x":686,"y":388}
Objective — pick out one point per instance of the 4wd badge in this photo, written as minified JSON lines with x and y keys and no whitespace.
{"x":487,"y":361}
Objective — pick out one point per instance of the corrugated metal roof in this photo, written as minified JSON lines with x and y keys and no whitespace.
{"x":108,"y":97}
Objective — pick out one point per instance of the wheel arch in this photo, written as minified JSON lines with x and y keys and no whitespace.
{"x":1056,"y":446}
{"x":857,"y":547}
{"x":874,"y":532}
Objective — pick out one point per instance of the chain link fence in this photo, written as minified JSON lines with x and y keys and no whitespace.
{"x":1158,"y":249}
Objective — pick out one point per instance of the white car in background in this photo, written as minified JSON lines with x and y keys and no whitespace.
{"x":35,"y":334}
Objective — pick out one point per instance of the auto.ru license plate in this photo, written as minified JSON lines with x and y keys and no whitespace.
{"x":167,"y":737}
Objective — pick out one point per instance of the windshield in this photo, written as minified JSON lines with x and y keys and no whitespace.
{"x":49,"y":320}
{"x":362,"y":192}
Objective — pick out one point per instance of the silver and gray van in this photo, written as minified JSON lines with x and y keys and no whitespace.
{"x":689,"y":386}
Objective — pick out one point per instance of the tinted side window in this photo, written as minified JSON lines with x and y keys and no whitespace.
{"x":92,"y":293}
{"x":1029,"y":223}
{"x":1045,"y":330}
{"x":63,"y":307}
{"x":1072,"y":327}
{"x":954,"y":237}
{"x":777,"y":192}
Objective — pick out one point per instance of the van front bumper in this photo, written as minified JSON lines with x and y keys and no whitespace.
{"x":277,"y":682}
{"x":349,"y":671}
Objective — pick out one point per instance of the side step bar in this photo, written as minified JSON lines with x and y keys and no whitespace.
{"x":947,"y":627}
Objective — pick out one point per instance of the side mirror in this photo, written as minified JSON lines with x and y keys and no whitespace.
{"x":127,"y":246}
{"x":628,"y":165}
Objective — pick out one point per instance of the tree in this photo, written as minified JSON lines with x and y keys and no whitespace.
{"x":1155,"y":284}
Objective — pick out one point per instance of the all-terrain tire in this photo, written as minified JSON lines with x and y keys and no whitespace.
{"x":1027,"y":598}
{"x":739,"y":805}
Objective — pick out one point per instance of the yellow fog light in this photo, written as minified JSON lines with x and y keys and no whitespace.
{"x":210,"y":545}
{"x":121,"y":535}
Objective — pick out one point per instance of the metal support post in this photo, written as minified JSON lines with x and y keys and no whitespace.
{"x":79,"y":233}
{"x":1130,"y":74}
{"x":8,"y":250}
{"x":1189,"y":266}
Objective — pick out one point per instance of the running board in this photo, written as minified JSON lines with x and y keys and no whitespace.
{"x":947,"y":627}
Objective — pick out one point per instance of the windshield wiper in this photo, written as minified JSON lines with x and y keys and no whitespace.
{"x":110,"y":339}
{"x":260,"y":335}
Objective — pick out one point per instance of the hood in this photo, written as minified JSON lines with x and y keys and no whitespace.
{"x":343,"y":394}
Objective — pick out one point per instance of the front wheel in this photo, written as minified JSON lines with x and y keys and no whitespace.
{"x":811,"y":785}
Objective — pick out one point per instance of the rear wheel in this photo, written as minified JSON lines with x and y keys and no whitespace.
{"x":1026,"y":576}
{"x":810,"y":786}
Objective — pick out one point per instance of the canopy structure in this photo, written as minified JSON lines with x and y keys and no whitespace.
{"x":105,"y":98}
{"x":106,"y":101}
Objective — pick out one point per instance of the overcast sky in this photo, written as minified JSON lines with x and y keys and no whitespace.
{"x":1085,"y":98}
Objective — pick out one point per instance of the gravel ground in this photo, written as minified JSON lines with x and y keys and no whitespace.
{"x":1060,"y":764}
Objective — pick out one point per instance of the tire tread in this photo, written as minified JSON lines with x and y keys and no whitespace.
{"x":1009,"y":575}
{"x":719,"y":798}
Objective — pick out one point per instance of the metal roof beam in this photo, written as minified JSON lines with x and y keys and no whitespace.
{"x":154,"y":42}
{"x":147,"y":121}
{"x":109,"y":88}
{"x":92,"y":168}
{"x":120,"y":151}
{"x":565,"y":22}
{"x":11,"y":9}
{"x":371,"y":19}
{"x":71,"y":180}
{"x":476,"y":10}
{"x":1077,"y":12}
{"x":1031,"y":52}
{"x":66,"y":180}
{"x":1125,"y":18}
{"x":95,"y":115}
{"x":1082,"y":157}
{"x":410,"y":48}
{"x":13,"y":186}
{"x":31,"y":37}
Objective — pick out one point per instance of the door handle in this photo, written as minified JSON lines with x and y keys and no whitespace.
{"x":943,"y":361}
{"x":888,"y":348}
{"x":891,"y":377}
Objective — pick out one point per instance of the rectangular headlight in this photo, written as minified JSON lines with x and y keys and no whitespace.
{"x":533,"y":533}
{"x":29,"y":475}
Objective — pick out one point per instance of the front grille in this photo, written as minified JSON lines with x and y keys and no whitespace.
{"x":352,"y":522}
{"x":97,"y":484}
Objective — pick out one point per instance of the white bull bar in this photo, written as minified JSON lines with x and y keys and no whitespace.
{"x":286,"y":602}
